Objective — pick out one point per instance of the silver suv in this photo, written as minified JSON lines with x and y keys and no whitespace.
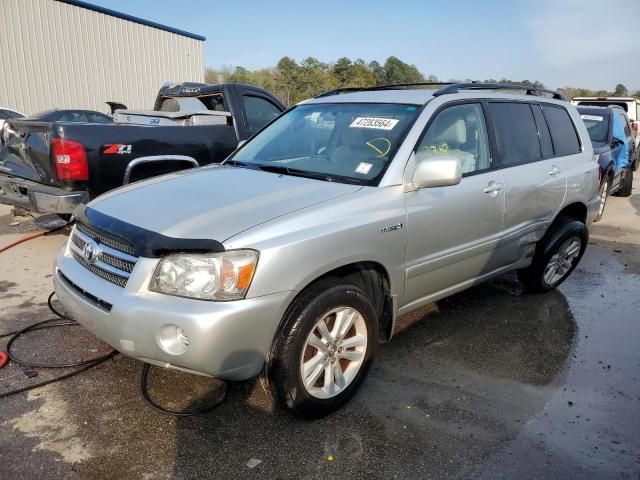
{"x":294,"y":257}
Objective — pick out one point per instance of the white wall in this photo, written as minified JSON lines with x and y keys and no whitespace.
{"x":56,"y":55}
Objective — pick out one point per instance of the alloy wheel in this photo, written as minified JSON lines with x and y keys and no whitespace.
{"x":562,"y":261}
{"x":334,"y":352}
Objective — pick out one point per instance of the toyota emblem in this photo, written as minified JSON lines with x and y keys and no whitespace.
{"x":90,"y":251}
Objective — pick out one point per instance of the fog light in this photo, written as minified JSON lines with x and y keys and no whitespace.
{"x":173,"y":339}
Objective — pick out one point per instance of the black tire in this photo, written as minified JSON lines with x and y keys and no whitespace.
{"x":282,"y":374}
{"x":605,"y":189}
{"x":627,"y":184}
{"x":533,"y":277}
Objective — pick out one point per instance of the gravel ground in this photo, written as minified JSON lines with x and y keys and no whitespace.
{"x":491,"y":383}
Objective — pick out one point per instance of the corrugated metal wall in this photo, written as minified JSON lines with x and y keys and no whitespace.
{"x":56,"y":55}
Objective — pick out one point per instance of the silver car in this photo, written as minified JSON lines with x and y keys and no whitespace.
{"x":293,"y":258}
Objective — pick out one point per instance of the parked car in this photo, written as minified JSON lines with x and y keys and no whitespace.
{"x":6,"y":114}
{"x":294,"y":257}
{"x":54,"y":164}
{"x":630,"y":105}
{"x":609,"y":140}
{"x":69,"y":115}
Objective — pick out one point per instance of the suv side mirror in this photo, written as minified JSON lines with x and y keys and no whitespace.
{"x":437,"y":172}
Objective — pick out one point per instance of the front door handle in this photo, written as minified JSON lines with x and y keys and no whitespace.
{"x":493,"y":188}
{"x":554,"y":170}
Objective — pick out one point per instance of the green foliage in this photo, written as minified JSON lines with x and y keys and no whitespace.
{"x":294,"y":82}
{"x":619,"y":91}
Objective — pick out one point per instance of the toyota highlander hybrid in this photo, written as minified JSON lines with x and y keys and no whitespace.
{"x":293,"y":258}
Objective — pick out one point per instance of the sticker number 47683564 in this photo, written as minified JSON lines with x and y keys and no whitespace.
{"x":117,"y":149}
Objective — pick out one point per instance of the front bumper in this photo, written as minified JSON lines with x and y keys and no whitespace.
{"x":37,"y":197}
{"x":227,"y":340}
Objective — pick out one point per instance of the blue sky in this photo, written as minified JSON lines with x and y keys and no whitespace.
{"x":559,"y":42}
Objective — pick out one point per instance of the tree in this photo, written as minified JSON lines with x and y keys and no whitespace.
{"x":289,"y":72}
{"x":378,"y":72}
{"x":399,"y":72}
{"x":343,"y":70}
{"x":621,"y":91}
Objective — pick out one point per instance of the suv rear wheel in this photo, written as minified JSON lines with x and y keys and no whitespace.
{"x":557,"y":255}
{"x":325,"y":349}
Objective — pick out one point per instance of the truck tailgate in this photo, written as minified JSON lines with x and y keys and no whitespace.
{"x":111,"y":147}
{"x":27,"y":151}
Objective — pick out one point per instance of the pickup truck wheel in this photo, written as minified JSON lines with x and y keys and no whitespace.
{"x":557,"y":255}
{"x":627,"y":184}
{"x":604,"y":194}
{"x":325,"y":349}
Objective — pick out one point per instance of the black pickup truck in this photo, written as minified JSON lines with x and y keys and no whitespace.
{"x":52,"y":167}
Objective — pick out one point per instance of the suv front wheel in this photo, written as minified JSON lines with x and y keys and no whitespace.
{"x":556,"y":256}
{"x":324,"y":350}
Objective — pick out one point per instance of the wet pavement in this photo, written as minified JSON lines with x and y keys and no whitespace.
{"x":491,"y":383}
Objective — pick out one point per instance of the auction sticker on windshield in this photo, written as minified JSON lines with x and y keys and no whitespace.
{"x":374,"y":122}
{"x":595,"y":118}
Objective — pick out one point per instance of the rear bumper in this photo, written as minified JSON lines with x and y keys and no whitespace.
{"x":37,"y":197}
{"x":593,"y":206}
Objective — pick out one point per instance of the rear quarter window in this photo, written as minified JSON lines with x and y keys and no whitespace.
{"x":543,"y":131}
{"x":563,"y":133}
{"x":516,"y":133}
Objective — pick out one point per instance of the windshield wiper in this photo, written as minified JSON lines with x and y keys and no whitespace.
{"x":237,"y":163}
{"x":295,"y":172}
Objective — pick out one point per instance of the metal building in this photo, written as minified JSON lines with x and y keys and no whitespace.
{"x":71,"y":54}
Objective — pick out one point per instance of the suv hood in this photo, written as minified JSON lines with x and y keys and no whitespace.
{"x":214,"y":202}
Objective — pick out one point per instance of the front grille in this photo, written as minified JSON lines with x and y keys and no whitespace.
{"x":106,"y":238}
{"x":111,"y":257}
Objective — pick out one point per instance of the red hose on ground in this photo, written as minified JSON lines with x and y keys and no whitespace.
{"x":31,"y":237}
{"x":4,"y":358}
{"x":18,"y":242}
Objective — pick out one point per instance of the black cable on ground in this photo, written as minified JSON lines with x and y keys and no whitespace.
{"x":63,"y":321}
{"x":144,"y":391}
{"x":59,"y":322}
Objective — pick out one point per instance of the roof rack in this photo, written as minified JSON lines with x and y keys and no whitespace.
{"x":395,"y":86}
{"x":456,"y":87}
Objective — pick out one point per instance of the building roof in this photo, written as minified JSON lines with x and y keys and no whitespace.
{"x":131,"y":18}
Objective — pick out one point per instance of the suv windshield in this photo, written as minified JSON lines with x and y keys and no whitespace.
{"x":597,"y":124}
{"x":342,"y":142}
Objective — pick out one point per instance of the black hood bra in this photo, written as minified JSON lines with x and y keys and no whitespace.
{"x":145,"y":242}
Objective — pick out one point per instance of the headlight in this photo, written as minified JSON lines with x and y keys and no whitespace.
{"x":211,"y":276}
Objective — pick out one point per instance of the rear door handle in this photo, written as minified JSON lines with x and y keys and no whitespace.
{"x":555,"y":170}
{"x":493,"y":187}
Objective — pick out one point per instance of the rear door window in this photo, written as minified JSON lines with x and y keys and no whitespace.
{"x":563,"y":133}
{"x":259,"y":111}
{"x":516,"y":133}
